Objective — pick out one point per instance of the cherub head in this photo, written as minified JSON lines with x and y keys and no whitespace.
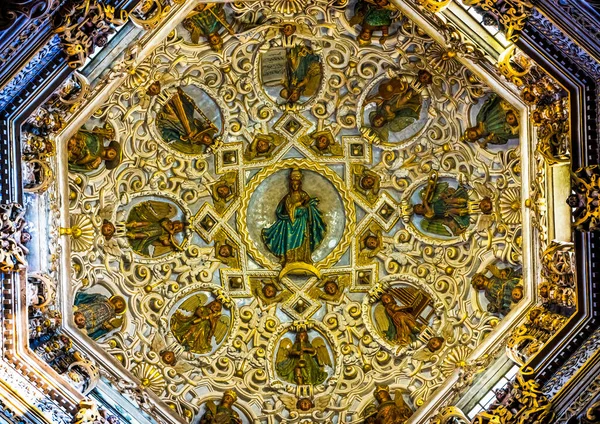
{"x":262,"y":146}
{"x":322,"y":142}
{"x":435,"y":343}
{"x":215,"y":306}
{"x":304,"y":404}
{"x":168,"y":357}
{"x":517,"y":294}
{"x":269,"y":291}
{"x":288,"y":29}
{"x":331,"y":288}
{"x":154,"y":89}
{"x":371,"y":242}
{"x":107,"y":229}
{"x":225,"y":250}
{"x":302,"y":336}
{"x":223,"y":191}
{"x":367,"y":182}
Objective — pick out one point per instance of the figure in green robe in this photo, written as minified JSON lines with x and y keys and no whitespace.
{"x":402,"y":325}
{"x":502,"y":288}
{"x":223,"y":413}
{"x":150,"y":230}
{"x":497,"y":122}
{"x":397,"y":106}
{"x":444,"y":209}
{"x":196,"y":323}
{"x":86,"y":150}
{"x":97,"y":314}
{"x":303,"y":362}
{"x":302,"y":73}
{"x":372,"y":15}
{"x":184,"y":126}
{"x":207,"y":20}
{"x":299,"y":228}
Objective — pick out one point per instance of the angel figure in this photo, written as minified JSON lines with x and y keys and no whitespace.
{"x":86,"y":150}
{"x":150,"y":230}
{"x":391,"y":411}
{"x":302,"y":73}
{"x":397,"y":105}
{"x":502,"y":288}
{"x":372,"y":15}
{"x":196,"y":323}
{"x":323,"y":144}
{"x":444,"y":209}
{"x":303,"y":362}
{"x":222,"y":413}
{"x":330,"y":289}
{"x":207,"y":20}
{"x":305,"y":405}
{"x":184,"y":126}
{"x":398,"y":323}
{"x":497,"y":122}
{"x":262,"y":146}
{"x":269,"y":292}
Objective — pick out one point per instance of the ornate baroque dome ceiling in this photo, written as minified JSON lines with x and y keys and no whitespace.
{"x":299,"y":205}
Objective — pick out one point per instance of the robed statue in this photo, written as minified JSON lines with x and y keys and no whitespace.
{"x":87,"y":150}
{"x":389,"y":411}
{"x":373,"y":15}
{"x":497,"y":122}
{"x":502,"y":288}
{"x":150,"y":229}
{"x":196,"y":323}
{"x":397,"y":323}
{"x":445,"y":209}
{"x":184,"y":126}
{"x":302,"y":73}
{"x":207,"y":20}
{"x":222,"y":413}
{"x":303,"y":362}
{"x":97,"y":314}
{"x":397,"y":105}
{"x":299,"y":227}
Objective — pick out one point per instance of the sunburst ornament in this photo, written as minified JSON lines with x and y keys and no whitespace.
{"x":288,"y":7}
{"x":150,"y":377}
{"x":456,"y":358}
{"x":510,"y":205}
{"x":81,"y":232}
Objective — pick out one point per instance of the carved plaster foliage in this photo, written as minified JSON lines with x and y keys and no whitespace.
{"x":180,"y":182}
{"x":523,"y":403}
{"x":511,"y":15}
{"x":13,"y":238}
{"x":367,"y":176}
{"x":586,"y":199}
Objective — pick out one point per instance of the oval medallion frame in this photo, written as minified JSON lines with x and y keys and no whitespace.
{"x":333,"y":178}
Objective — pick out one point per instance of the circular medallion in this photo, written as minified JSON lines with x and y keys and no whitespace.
{"x":296,"y":211}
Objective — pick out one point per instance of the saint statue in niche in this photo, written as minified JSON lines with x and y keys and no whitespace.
{"x":207,"y":20}
{"x":302,"y":73}
{"x":86,"y":150}
{"x":150,"y":230}
{"x":97,"y":314}
{"x":372,"y":15}
{"x":389,"y":411}
{"x":397,"y":105}
{"x":444,"y":209}
{"x":184,"y":126}
{"x":222,"y":413}
{"x":299,"y":227}
{"x":502,"y":288}
{"x":196,"y":323}
{"x":497,"y":122}
{"x":303,"y":362}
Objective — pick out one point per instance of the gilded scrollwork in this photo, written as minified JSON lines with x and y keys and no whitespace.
{"x":292,"y":217}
